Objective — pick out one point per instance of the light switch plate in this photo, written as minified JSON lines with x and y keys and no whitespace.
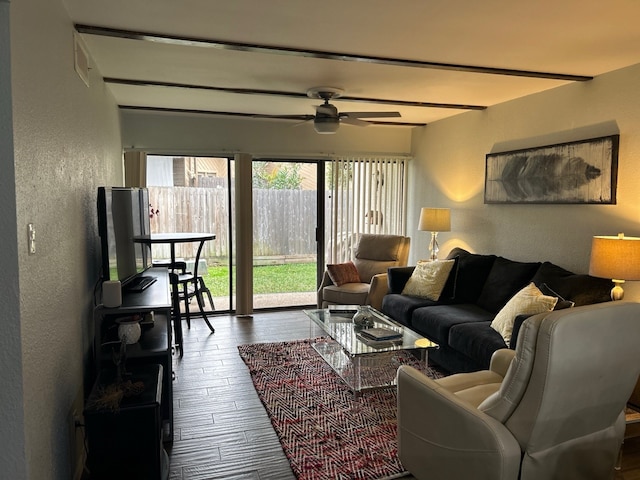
{"x":31,"y":232}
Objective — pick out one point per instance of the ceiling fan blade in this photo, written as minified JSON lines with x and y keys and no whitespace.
{"x":306,"y":120}
{"x":301,"y":117}
{"x":354,"y":121}
{"x":369,"y":114}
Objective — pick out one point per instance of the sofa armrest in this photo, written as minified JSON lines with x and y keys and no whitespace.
{"x":378,"y":288}
{"x":398,"y":278}
{"x":433,"y":423}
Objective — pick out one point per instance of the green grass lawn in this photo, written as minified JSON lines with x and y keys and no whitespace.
{"x":293,"y":277}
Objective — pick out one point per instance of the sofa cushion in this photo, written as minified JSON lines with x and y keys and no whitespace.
{"x":341,"y":273}
{"x":401,"y":307}
{"x":454,"y":361}
{"x":471,"y":272}
{"x":579,"y":288}
{"x":477,"y":340}
{"x":529,"y":300}
{"x":435,"y":321}
{"x":505,"y":279}
{"x":428,"y":279}
{"x":449,"y":290}
{"x":397,"y":278}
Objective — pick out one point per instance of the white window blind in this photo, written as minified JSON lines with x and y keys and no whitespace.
{"x":367,"y":195}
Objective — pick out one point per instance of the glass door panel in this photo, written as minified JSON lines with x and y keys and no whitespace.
{"x":192,"y":194}
{"x":285,"y":218}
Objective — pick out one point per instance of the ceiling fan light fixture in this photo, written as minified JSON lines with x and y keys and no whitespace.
{"x":326,"y":125}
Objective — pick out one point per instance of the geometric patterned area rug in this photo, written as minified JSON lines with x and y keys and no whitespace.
{"x":325,"y":432}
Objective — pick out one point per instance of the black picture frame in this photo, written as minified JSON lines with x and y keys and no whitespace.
{"x":579,"y":172}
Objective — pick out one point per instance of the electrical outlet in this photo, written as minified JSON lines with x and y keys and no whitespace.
{"x":31,"y":238}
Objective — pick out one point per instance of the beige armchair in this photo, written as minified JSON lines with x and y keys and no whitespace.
{"x":374,"y":254}
{"x":551,"y":409}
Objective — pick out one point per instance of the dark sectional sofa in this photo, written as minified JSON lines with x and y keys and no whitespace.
{"x":476,"y":290}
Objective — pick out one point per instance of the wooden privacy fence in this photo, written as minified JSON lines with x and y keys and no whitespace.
{"x":283,"y":221}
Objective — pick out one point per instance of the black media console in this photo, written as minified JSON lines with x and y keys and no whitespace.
{"x":155,"y":344}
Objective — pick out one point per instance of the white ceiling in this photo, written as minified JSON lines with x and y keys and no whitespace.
{"x":569,"y":37}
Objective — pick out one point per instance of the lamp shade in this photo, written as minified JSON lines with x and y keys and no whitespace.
{"x":435,"y":220}
{"x":615,"y":257}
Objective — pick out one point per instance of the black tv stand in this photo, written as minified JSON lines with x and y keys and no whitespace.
{"x":139,"y":283}
{"x":155,"y":344}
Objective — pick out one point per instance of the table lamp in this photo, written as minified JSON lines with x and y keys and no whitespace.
{"x":435,"y":220}
{"x":617,"y":258}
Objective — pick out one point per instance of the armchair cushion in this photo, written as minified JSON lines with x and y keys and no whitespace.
{"x":428,"y":279}
{"x":376,"y":253}
{"x":528,"y":300}
{"x":347,"y":294}
{"x":341,"y":273}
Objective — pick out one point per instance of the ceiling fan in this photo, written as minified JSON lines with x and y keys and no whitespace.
{"x":327,"y":118}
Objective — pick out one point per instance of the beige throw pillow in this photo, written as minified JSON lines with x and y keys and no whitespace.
{"x":428,"y":279}
{"x":528,"y":301}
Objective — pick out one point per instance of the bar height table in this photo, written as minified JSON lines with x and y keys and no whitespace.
{"x":172,"y":239}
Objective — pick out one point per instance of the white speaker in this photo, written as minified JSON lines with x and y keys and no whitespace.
{"x":111,"y":293}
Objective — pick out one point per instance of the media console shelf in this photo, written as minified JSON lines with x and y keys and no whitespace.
{"x":155,"y":344}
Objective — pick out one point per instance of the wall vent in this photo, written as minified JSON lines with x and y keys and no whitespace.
{"x":81,"y":59}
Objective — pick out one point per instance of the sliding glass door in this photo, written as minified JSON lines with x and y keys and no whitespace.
{"x":192,"y":194}
{"x":285,"y":222}
{"x":197,"y":194}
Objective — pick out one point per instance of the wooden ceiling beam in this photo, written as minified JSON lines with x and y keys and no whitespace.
{"x":250,"y":91}
{"x":346,"y":57}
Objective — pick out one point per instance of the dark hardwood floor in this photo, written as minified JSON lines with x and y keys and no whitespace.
{"x":221,"y":428}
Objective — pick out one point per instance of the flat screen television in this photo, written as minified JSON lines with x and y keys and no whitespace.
{"x":123,"y":213}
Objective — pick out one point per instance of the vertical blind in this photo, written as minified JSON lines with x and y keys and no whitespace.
{"x":367,"y":195}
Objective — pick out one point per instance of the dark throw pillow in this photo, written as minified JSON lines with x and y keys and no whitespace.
{"x":506,"y":278}
{"x":579,"y":288}
{"x":469,"y":274}
{"x":562,"y":303}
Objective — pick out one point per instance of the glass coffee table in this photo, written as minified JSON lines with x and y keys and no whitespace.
{"x":361,"y":362}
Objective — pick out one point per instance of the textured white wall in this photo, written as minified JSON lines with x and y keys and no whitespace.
{"x":450,"y":166}
{"x":12,"y":453}
{"x":66,"y":143}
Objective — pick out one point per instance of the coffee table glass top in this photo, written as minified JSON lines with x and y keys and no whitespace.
{"x":338,"y":323}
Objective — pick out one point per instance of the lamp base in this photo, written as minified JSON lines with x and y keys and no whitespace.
{"x":617,"y":292}
{"x":433,"y":247}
